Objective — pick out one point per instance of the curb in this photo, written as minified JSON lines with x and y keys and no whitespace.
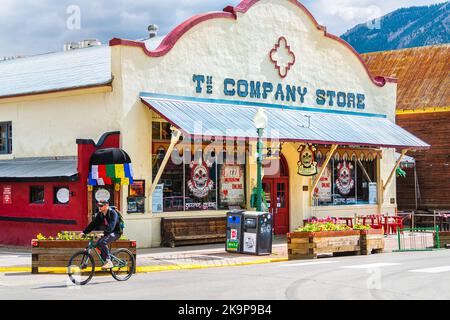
{"x":149,"y":269}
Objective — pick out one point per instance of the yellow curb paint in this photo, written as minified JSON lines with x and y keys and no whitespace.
{"x":148,"y":269}
{"x":5,"y":270}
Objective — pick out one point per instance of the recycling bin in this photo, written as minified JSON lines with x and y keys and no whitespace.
{"x":234,"y":231}
{"x":257,"y":235}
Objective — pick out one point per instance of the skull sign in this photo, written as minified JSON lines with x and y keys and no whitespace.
{"x":345,"y":182}
{"x":307,"y":165}
{"x":200,"y":183}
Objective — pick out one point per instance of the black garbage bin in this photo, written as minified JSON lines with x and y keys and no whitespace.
{"x":257,"y":235}
{"x":234,"y":231}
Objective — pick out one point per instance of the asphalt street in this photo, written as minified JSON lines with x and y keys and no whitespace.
{"x":406,"y":276}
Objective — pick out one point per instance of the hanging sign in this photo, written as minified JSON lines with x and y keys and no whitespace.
{"x":7,"y":192}
{"x":345,"y":181}
{"x":200,"y":183}
{"x":307,"y":164}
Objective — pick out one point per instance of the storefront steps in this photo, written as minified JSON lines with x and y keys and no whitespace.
{"x":179,"y":258}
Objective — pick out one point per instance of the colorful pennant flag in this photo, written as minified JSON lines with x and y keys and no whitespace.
{"x":111,"y":174}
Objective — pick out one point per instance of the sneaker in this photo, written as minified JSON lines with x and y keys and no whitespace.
{"x":108,"y":265}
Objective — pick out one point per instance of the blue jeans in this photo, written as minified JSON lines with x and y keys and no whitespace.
{"x":104,"y":242}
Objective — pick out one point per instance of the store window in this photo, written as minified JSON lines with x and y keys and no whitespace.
{"x":161,"y":130}
{"x":5,"y":137}
{"x":347,"y":181}
{"x":37,"y":194}
{"x":61,"y":195}
{"x":202,"y":182}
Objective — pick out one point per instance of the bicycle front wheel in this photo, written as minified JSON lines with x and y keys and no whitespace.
{"x":124,"y":264}
{"x":81,"y":268}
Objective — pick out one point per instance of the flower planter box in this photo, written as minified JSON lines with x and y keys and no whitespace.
{"x":307,"y":245}
{"x":57,"y":253}
{"x":372,"y":241}
{"x":444,"y":239}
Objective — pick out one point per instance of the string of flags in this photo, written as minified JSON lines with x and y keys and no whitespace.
{"x":108,"y":174}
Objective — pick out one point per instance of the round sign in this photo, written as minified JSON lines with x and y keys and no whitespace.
{"x":102,"y":195}
{"x":62,"y":195}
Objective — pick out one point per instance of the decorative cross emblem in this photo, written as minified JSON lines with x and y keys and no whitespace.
{"x":282,"y":56}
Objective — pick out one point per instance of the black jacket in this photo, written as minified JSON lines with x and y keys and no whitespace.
{"x":112,"y":224}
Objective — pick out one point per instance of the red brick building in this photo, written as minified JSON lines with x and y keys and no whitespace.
{"x":423,"y":108}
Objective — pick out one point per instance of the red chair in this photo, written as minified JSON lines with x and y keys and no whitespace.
{"x":348,"y":221}
{"x":392,"y":224}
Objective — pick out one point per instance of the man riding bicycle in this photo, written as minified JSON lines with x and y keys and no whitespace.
{"x":107,"y":219}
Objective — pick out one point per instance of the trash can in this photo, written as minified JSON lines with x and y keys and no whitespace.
{"x":257,"y":237}
{"x":234,"y":231}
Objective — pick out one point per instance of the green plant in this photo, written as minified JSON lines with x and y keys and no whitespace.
{"x":323,"y":226}
{"x":40,"y":236}
{"x":361,"y":227}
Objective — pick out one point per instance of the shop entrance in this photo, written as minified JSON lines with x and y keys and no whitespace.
{"x":276,"y":188}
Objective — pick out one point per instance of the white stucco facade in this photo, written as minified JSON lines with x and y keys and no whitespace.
{"x":224,"y":48}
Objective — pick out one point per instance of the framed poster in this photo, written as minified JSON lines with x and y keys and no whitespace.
{"x":232,"y":185}
{"x":323,"y":190}
{"x":136,"y":197}
{"x":137,"y":189}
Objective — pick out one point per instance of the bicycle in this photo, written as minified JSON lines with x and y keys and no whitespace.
{"x":82,"y":264}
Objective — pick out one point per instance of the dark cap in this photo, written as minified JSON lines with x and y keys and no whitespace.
{"x":101,"y":203}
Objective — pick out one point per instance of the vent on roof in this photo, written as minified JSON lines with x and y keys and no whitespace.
{"x":152,"y":30}
{"x":81,"y":44}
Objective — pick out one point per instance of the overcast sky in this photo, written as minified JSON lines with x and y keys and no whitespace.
{"x":38,"y":26}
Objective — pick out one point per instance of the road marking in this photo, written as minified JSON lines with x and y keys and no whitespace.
{"x":432,"y":270}
{"x":371,"y":265}
{"x":308,"y":263}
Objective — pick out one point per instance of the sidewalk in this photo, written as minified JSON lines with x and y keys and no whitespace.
{"x":185,"y":257}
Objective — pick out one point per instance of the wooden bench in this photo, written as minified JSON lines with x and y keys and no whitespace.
{"x":192,"y":230}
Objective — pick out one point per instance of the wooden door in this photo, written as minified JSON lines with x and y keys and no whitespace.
{"x":277,"y":194}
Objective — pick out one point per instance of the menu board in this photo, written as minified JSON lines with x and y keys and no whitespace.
{"x":323,"y":191}
{"x":232,"y":185}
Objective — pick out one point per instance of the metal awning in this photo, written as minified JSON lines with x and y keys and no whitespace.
{"x":38,"y":170}
{"x":233,"y":119}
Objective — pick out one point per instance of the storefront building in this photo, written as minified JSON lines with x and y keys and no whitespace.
{"x":192,"y":95}
{"x":423,"y":108}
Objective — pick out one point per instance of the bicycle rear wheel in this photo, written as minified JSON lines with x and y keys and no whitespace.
{"x":124,"y":264}
{"x":81,"y":268}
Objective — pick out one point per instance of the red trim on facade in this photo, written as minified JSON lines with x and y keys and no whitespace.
{"x":275,"y":49}
{"x":231,"y":13}
{"x":171,"y":39}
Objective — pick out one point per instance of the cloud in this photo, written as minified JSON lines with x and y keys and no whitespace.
{"x":36,"y":26}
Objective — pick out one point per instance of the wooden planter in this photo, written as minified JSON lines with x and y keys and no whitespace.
{"x":444,"y":239}
{"x":307,"y":245}
{"x":372,"y":241}
{"x":57,"y":253}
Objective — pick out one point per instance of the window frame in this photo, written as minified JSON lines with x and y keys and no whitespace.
{"x":31,"y":187}
{"x":6,"y":126}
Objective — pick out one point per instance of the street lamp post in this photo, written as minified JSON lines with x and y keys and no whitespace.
{"x":260,"y":121}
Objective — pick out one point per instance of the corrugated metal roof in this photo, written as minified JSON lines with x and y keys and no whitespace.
{"x":56,"y":71}
{"x":223,"y":119}
{"x":38,"y":168}
{"x":423,"y":75}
